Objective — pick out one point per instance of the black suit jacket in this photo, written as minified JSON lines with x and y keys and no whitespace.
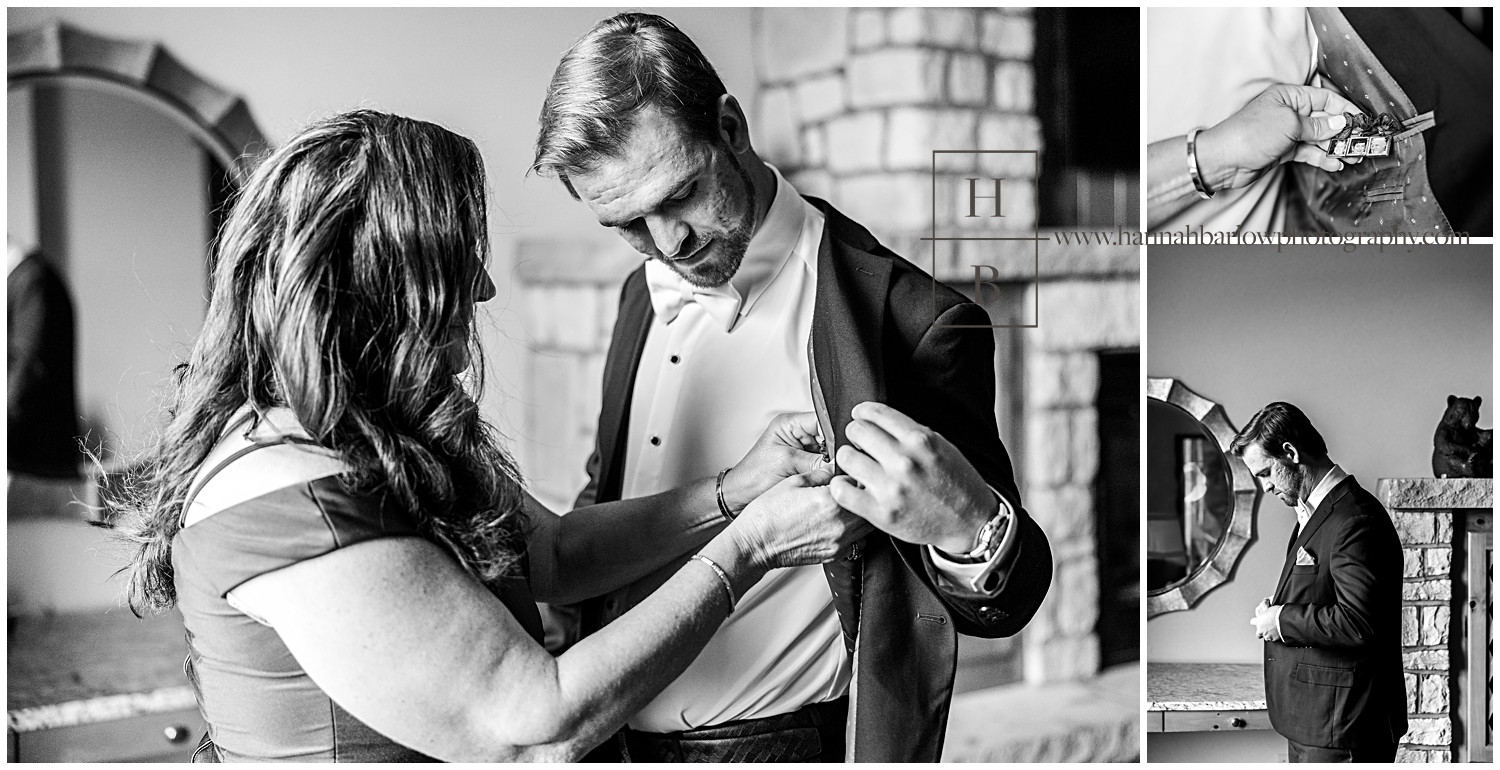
{"x":41,"y":399}
{"x":873,"y":339}
{"x":1335,"y":679}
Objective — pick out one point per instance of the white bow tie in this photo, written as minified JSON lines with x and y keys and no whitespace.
{"x":670,"y":292}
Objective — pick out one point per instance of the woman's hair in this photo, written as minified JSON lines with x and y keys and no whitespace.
{"x":345,"y":262}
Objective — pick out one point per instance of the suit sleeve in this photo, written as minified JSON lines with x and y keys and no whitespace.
{"x":1350,"y":621}
{"x":954,"y":394}
{"x":590,"y":493}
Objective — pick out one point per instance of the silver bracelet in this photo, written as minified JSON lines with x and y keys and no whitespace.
{"x":1192,"y":159}
{"x":723,"y":578}
{"x":719,"y":494}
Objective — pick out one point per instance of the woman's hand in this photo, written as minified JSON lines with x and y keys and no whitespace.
{"x":797,"y":523}
{"x":1285,"y":122}
{"x":788,"y":446}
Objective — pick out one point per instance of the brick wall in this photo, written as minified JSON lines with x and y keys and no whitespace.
{"x":1424,"y":510}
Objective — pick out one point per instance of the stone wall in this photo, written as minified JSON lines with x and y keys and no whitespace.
{"x":852,"y":103}
{"x":1424,"y":511}
{"x":1079,"y":316}
{"x":569,"y":294}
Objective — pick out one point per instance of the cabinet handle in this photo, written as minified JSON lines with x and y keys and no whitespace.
{"x":1237,"y":722}
{"x":176,"y":733}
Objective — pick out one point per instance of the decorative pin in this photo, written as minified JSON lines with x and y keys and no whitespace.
{"x":1364,"y":136}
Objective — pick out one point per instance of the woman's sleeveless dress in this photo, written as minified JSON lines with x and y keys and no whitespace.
{"x":259,"y":703}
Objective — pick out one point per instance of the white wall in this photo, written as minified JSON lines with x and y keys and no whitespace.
{"x":1368,"y":344}
{"x":20,"y":177}
{"x":136,"y":186}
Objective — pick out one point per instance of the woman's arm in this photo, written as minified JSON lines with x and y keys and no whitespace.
{"x":406,"y":641}
{"x":1277,"y":126}
{"x":599,"y":548}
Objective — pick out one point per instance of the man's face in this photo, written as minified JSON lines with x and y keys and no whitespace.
{"x":1279,"y":477}
{"x":674,"y":198}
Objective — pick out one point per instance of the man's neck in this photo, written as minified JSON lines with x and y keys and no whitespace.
{"x":764,"y":180}
{"x":1316,"y":472}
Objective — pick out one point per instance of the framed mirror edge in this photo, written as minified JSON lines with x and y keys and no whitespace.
{"x":59,"y":51}
{"x":1219,"y":568}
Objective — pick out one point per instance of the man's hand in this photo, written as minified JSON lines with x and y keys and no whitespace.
{"x":913,"y":484}
{"x":786,"y":448}
{"x":1285,"y":122}
{"x":1265,"y":621}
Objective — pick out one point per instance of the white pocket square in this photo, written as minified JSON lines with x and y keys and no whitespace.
{"x":1305,"y":559}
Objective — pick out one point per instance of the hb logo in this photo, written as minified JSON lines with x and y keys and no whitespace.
{"x":977,"y":238}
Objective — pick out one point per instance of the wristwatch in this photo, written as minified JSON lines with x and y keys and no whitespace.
{"x":991,"y":535}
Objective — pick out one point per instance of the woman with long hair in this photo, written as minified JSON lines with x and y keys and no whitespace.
{"x":354,"y":556}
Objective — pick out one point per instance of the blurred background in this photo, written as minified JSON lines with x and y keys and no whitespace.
{"x":129,"y":128}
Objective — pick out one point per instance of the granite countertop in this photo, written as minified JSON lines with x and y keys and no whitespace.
{"x":80,"y":668}
{"x":1205,"y":687}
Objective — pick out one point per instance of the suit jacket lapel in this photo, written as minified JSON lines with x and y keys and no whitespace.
{"x":1313,"y":523}
{"x":619,"y":380}
{"x":847,"y":328}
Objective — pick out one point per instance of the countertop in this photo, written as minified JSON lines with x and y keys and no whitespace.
{"x":80,"y":668}
{"x":1205,"y":687}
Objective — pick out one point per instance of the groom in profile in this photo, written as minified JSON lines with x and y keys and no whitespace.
{"x":1334,"y":687}
{"x":756,"y":300}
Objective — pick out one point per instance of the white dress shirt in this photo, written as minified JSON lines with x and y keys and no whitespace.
{"x":710,"y":379}
{"x":1206,"y":64}
{"x":1306,"y":508}
{"x":703,"y":394}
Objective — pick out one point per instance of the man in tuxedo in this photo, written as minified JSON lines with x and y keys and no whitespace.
{"x":1332,"y":629}
{"x":755,"y":300}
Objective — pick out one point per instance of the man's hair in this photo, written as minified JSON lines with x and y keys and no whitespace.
{"x":1277,"y":424}
{"x":625,"y":64}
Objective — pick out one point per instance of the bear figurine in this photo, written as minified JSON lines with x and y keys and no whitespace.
{"x":1459,"y":449}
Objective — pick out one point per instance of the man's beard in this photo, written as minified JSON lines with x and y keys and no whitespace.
{"x":1299,"y":475}
{"x":731,"y":245}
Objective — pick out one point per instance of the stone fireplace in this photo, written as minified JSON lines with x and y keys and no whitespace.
{"x":1446,"y":529}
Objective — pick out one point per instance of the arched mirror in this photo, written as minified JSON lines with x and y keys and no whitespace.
{"x":121,"y":160}
{"x":1200,"y":500}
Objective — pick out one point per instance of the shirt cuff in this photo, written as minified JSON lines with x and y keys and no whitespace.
{"x":1276,"y":611}
{"x":983,"y":577}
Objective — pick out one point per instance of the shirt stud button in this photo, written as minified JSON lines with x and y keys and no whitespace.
{"x":656,"y":441}
{"x":676,"y":359}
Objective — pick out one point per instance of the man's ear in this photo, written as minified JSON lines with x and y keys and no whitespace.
{"x":1291,"y":453}
{"x":734,"y":129}
{"x":1477,"y":401}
